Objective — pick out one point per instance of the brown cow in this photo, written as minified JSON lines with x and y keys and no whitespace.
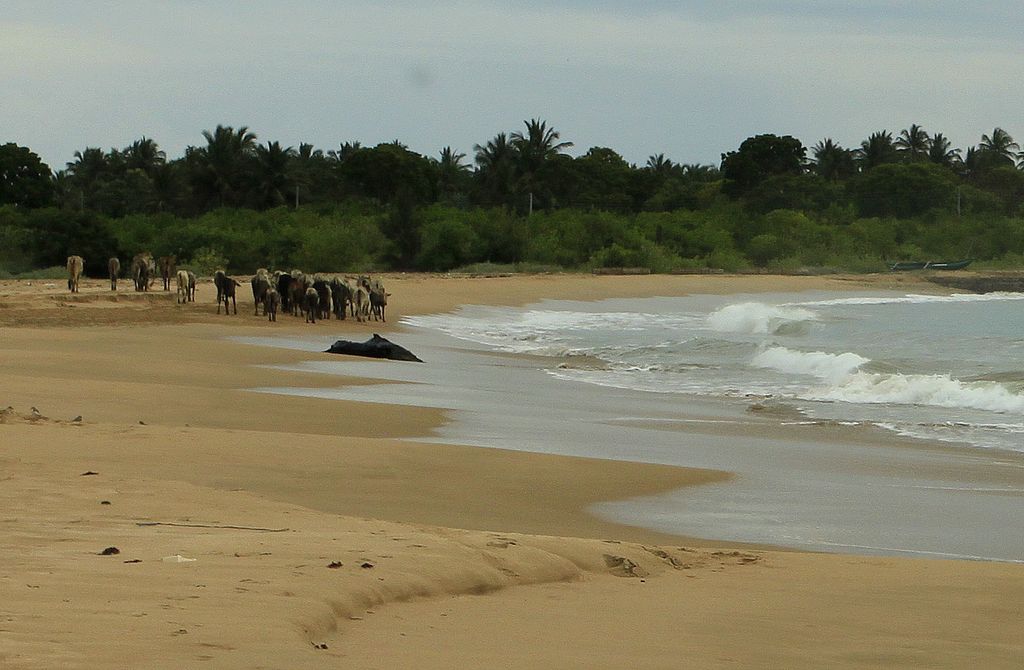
{"x":167,"y":265}
{"x":141,"y":265}
{"x":76,"y":265}
{"x":271,"y":302}
{"x":113,"y":269}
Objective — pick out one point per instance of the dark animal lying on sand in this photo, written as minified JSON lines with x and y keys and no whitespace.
{"x":375,"y":347}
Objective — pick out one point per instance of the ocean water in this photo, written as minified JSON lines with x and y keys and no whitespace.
{"x":949,"y":368}
{"x":747,"y":384}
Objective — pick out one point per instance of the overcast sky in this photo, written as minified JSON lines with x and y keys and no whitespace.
{"x":690,"y":80}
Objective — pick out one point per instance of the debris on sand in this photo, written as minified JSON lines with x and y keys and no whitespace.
{"x":375,"y":347}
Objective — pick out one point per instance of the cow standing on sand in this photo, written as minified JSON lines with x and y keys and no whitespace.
{"x":376,"y":296}
{"x":225,"y":290}
{"x":167,"y":266}
{"x":311,"y":303}
{"x":297,"y":292}
{"x":283,"y":284}
{"x":361,"y":304}
{"x":271,"y":302}
{"x":141,"y":273}
{"x":260,"y":285}
{"x":76,"y":266}
{"x":191,"y":286}
{"x":113,"y":269}
{"x":182,"y":277}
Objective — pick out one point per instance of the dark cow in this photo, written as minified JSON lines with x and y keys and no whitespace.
{"x":283,"y":284}
{"x":260,"y":286}
{"x":225,"y":290}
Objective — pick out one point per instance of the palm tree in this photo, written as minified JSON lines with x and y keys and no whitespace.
{"x":85,"y":173}
{"x":451,"y":172}
{"x":832,"y":161}
{"x":538,"y":145}
{"x":913,"y":143}
{"x":997,"y":149}
{"x":941,"y":151}
{"x":89,"y":165}
{"x":495,"y":153}
{"x":660,"y":165}
{"x":535,"y":149}
{"x":496,"y":169}
{"x":309,"y":170}
{"x":143,"y":154}
{"x":699,"y":172}
{"x":272,"y":164}
{"x":345,"y":151}
{"x":877,"y":149}
{"x":222,"y":161}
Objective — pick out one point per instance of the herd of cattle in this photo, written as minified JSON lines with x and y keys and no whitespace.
{"x":315,"y":296}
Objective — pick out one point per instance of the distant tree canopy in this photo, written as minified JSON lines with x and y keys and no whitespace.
{"x":520,"y":198}
{"x":24,"y":179}
{"x":759,"y":158}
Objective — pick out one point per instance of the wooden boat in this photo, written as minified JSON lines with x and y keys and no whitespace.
{"x":903,"y":266}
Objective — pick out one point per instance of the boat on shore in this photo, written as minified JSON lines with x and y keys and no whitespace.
{"x":903,"y":266}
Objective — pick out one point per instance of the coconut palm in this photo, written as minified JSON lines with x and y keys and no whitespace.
{"x":913,"y":143}
{"x":1000,"y":142}
{"x":89,"y":165}
{"x":495,"y":153}
{"x":452,"y":174}
{"x":220,"y":165}
{"x":143,"y":154}
{"x":998,"y":149}
{"x":660,"y":165}
{"x":496,"y":169}
{"x":832,"y":161}
{"x":537,"y":145}
{"x":308,"y":167}
{"x":345,"y":151}
{"x":941,"y":151}
{"x":877,"y":149}
{"x":536,"y":149}
{"x":699,"y":172}
{"x":271,"y":171}
{"x":89,"y":169}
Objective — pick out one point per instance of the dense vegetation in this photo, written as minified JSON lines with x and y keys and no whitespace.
{"x":524,"y":202}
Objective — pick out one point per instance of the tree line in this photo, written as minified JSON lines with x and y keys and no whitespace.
{"x":522,"y":201}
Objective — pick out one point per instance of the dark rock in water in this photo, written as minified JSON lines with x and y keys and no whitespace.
{"x":375,"y":347}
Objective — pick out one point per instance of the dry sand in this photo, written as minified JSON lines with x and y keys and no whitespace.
{"x":321,"y":538}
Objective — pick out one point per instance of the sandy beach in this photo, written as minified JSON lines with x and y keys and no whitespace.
{"x":157,"y":514}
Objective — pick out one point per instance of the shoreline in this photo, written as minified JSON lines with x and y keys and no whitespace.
{"x":253,"y":488}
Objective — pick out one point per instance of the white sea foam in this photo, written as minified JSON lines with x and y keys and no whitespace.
{"x":913,"y":298}
{"x":829,"y":367}
{"x":755,"y":318}
{"x":538,"y":330}
{"x":934,"y":390}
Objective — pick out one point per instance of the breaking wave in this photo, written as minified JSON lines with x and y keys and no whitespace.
{"x":755,"y":318}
